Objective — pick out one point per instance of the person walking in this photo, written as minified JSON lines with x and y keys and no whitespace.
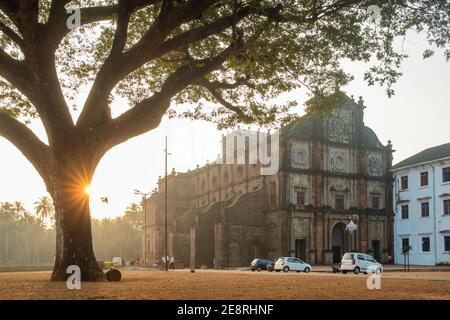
{"x":163,"y":262}
{"x":172,"y":263}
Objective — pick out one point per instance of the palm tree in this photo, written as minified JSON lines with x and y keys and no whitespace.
{"x":6,"y":219}
{"x":44,"y":208}
{"x":19,"y":210}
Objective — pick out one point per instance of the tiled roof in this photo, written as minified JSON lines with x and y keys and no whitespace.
{"x":430,"y":154}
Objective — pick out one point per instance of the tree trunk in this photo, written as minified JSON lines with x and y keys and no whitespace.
{"x":68,"y":181}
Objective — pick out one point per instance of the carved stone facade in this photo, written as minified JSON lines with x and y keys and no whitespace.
{"x":332,"y":171}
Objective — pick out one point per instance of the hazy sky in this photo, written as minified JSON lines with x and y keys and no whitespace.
{"x":417,"y":117}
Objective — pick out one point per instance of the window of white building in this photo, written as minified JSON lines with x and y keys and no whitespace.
{"x":405,"y":244}
{"x":447,"y":243}
{"x":424,"y":179}
{"x":425,"y":209}
{"x":446,"y":206}
{"x":405,"y":211}
{"x":404,"y":182}
{"x":446,"y":174}
{"x":425,"y":244}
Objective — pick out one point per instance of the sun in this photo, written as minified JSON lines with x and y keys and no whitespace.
{"x":88,"y":190}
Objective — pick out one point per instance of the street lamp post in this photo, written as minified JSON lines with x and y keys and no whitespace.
{"x":351,"y":228}
{"x":165,"y":204}
{"x":144,"y":208}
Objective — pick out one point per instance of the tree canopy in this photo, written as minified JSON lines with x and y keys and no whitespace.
{"x":236,"y":53}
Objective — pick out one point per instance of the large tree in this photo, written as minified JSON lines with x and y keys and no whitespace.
{"x":237,"y":54}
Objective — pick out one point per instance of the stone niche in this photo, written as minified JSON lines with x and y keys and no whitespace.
{"x":300,"y":155}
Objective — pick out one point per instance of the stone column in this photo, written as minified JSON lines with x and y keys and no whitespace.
{"x":193,"y":247}
{"x":219,"y":246}
{"x":369,"y":225}
{"x":363,"y":232}
{"x":312,"y":243}
{"x":319,"y":237}
{"x":327,"y":232}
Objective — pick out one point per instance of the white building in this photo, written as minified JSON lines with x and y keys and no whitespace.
{"x":422,"y":207}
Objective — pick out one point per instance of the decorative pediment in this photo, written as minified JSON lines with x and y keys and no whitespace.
{"x":339,"y":189}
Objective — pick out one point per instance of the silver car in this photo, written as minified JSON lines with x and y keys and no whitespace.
{"x":360,"y":262}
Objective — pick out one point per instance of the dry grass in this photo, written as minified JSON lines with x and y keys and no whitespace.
{"x":230,"y":285}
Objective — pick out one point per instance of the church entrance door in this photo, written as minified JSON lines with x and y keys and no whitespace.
{"x":338,"y":240}
{"x":300,"y":249}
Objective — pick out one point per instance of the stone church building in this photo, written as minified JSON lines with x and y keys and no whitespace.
{"x":332,"y":171}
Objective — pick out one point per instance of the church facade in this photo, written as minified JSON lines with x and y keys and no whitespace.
{"x":333,"y":172}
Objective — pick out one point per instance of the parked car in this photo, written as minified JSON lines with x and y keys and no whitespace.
{"x":291,"y":264}
{"x":261,"y":264}
{"x":117,"y":261}
{"x":360,"y":262}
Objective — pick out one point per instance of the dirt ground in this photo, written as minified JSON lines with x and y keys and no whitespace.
{"x":223,"y":285}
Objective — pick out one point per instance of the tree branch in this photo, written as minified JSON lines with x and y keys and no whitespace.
{"x":96,"y":110}
{"x":213,"y":88}
{"x":120,"y":36}
{"x":11,"y":8}
{"x":38,"y":81}
{"x":14,"y":72}
{"x":201,"y":33}
{"x":148,"y":113}
{"x":57,"y":27}
{"x":28,"y":21}
{"x":98,"y":97}
{"x":26,"y":141}
{"x":12,"y":35}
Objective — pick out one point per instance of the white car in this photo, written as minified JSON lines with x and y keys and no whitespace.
{"x":360,"y":262}
{"x":117,"y":261}
{"x":291,"y":264}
